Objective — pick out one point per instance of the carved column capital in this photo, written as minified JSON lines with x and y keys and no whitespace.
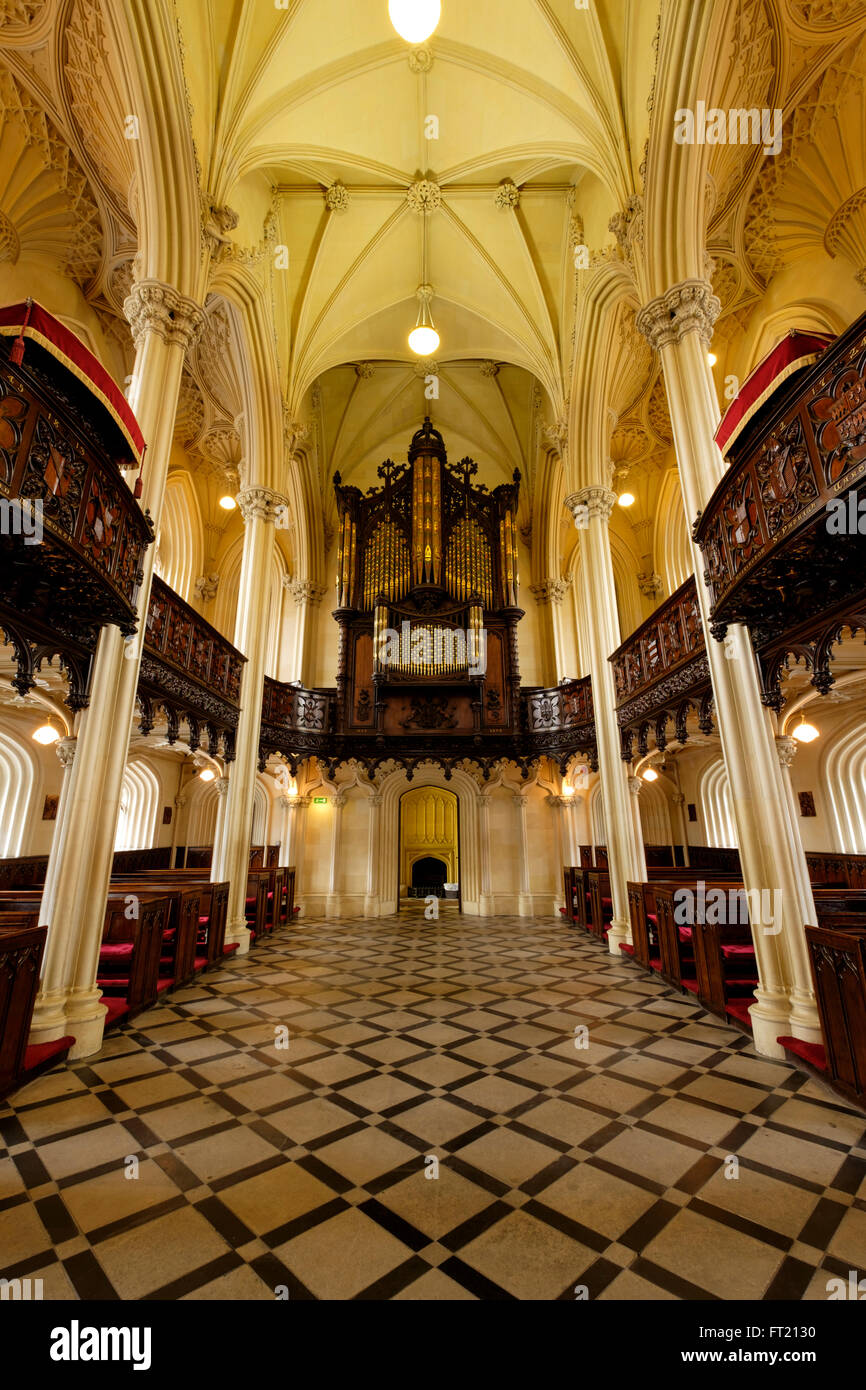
{"x":65,"y":749}
{"x":678,"y":799}
{"x":305,"y":592}
{"x":262,"y":504}
{"x":222,"y":786}
{"x":153,"y":307}
{"x":520,"y":800}
{"x":690,"y":307}
{"x":484,"y":801}
{"x":376,"y":799}
{"x":551,"y":590}
{"x":591,"y":502}
{"x":635,"y":786}
{"x":786,"y":749}
{"x":339,"y":801}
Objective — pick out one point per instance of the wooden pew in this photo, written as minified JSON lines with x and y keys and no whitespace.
{"x":209,"y":936}
{"x":838,"y":957}
{"x":22,"y":943}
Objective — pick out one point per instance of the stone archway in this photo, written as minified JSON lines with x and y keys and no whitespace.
{"x":394,"y":786}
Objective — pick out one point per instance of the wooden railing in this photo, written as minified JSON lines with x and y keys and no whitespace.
{"x":661,"y":671}
{"x":771,"y":559}
{"x":560,"y":720}
{"x":190,"y":671}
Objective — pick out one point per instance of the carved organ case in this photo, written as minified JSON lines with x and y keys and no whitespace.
{"x":427,"y":600}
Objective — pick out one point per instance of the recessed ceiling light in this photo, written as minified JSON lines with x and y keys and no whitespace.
{"x":649,"y":774}
{"x":207,"y":774}
{"x":227,"y":503}
{"x":712,"y":358}
{"x":626,"y":499}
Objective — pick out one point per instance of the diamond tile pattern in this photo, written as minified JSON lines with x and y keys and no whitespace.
{"x":434,"y":1130}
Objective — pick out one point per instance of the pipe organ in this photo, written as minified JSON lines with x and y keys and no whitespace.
{"x":427,"y":599}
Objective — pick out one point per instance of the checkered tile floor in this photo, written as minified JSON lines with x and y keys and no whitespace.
{"x":306,"y":1171}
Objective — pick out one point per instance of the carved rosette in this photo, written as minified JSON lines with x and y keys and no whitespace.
{"x":690,"y":307}
{"x":507,"y":195}
{"x":424,"y":196}
{"x":152,"y":307}
{"x":337,"y":197}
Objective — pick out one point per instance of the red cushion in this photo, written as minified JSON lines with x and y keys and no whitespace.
{"x":116,"y":950}
{"x":685,"y":933}
{"x":653,"y":917}
{"x":737,"y":950}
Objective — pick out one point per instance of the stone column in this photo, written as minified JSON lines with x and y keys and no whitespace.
{"x":591,"y":509}
{"x":680,"y":824}
{"x":337,"y":802}
{"x":260,"y":508}
{"x":485,"y":905}
{"x":164,"y":324}
{"x":635,"y":786}
{"x":54,"y":967}
{"x":561,"y":808}
{"x":548,"y":596}
{"x":679,"y":325}
{"x":786,"y":750}
{"x":371,"y":905}
{"x":524,"y":897}
{"x":307,"y":596}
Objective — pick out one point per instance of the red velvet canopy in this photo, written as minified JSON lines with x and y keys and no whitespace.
{"x":796,"y":350}
{"x":30,"y":320}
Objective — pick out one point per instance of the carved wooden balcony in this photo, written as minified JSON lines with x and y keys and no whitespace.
{"x":560,"y":721}
{"x":661,"y":674}
{"x":772,"y":560}
{"x":296,"y":723}
{"x":65,"y":431}
{"x":190,"y":672}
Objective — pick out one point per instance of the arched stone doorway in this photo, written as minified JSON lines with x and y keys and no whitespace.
{"x":429,"y":841}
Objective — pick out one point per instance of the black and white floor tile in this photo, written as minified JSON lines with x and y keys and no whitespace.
{"x":197,"y":1156}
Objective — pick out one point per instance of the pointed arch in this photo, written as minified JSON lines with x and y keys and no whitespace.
{"x":844,"y":780}
{"x":139,"y":803}
{"x":19,"y":774}
{"x":714,"y":794}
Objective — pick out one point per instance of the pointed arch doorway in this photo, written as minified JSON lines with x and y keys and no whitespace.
{"x":429,"y":843}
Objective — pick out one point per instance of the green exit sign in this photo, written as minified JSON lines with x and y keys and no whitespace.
{"x":320,"y":801}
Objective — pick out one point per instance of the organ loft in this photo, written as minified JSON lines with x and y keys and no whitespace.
{"x":427,"y":603}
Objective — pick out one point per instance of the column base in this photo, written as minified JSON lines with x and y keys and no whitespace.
{"x":524,"y":905}
{"x":770,"y":1017}
{"x":485,"y":905}
{"x":239,"y":932}
{"x":804,"y":1021}
{"x":620,"y":930}
{"x":85,"y":1020}
{"x":372,"y":906}
{"x":49,"y":1018}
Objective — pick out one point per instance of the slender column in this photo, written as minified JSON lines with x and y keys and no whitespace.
{"x":679,"y":823}
{"x":635,"y":786}
{"x":679,"y":325}
{"x":338,"y":802}
{"x":561,"y":807}
{"x":260,"y":508}
{"x":307,"y":597}
{"x":524,"y":898}
{"x":591,"y":508}
{"x":65,"y":749}
{"x":548,"y":596}
{"x":164,"y":324}
{"x":371,"y":905}
{"x":786,"y":751}
{"x":485,"y":906}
